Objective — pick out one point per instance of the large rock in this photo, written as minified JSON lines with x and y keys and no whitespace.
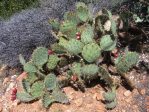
{"x":26,"y":30}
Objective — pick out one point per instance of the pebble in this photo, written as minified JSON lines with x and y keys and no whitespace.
{"x":97,"y":96}
{"x":79,"y":102}
{"x":13,"y":78}
{"x":127,"y":93}
{"x":142,"y":91}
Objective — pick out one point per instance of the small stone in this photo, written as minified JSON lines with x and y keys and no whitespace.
{"x":127,"y":93}
{"x":142,"y":91}
{"x":97,"y":96}
{"x":13,"y":78}
{"x":79,"y":102}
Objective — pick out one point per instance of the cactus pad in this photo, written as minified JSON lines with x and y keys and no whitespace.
{"x":71,"y":16}
{"x":31,"y":78}
{"x":50,"y":82}
{"x":52,"y":62}
{"x":127,"y":61}
{"x":58,"y":48}
{"x":74,"y":46}
{"x":87,"y":35}
{"x":82,"y":11}
{"x":25,"y":97}
{"x":91,"y":52}
{"x":59,"y":96}
{"x":110,"y":96}
{"x":55,"y":24}
{"x":40,"y":56}
{"x":113,"y":28}
{"x":29,"y":67}
{"x":47,"y":99}
{"x":62,"y":42}
{"x":26,"y":85}
{"x":89,"y":71}
{"x":111,"y":105}
{"x":106,"y":43}
{"x":68,"y":28}
{"x":76,"y":68}
{"x":37,"y":89}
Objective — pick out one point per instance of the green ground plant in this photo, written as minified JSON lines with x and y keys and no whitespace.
{"x":9,"y":7}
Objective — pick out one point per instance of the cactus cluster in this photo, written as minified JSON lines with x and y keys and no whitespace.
{"x":38,"y":85}
{"x":79,"y":54}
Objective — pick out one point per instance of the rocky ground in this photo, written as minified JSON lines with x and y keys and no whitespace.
{"x":136,"y":100}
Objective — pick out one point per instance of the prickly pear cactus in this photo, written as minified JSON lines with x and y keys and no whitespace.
{"x":62,"y":42}
{"x":47,"y":100}
{"x":37,"y":89}
{"x":71,"y":16}
{"x":29,"y":67}
{"x":82,"y":11}
{"x":111,"y":105}
{"x":76,"y":68}
{"x":55,"y":24}
{"x":74,"y":46}
{"x":26,"y":85}
{"x":31,"y":78}
{"x":87,"y":35}
{"x":40,"y":56}
{"x":91,"y":52}
{"x":109,"y":96}
{"x":89,"y":71}
{"x":107,"y":44}
{"x":52,"y":62}
{"x":25,"y":97}
{"x":68,"y":28}
{"x":85,"y":50}
{"x":56,"y":96}
{"x":125,"y":62}
{"x":58,"y":49}
{"x":50,"y":82}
